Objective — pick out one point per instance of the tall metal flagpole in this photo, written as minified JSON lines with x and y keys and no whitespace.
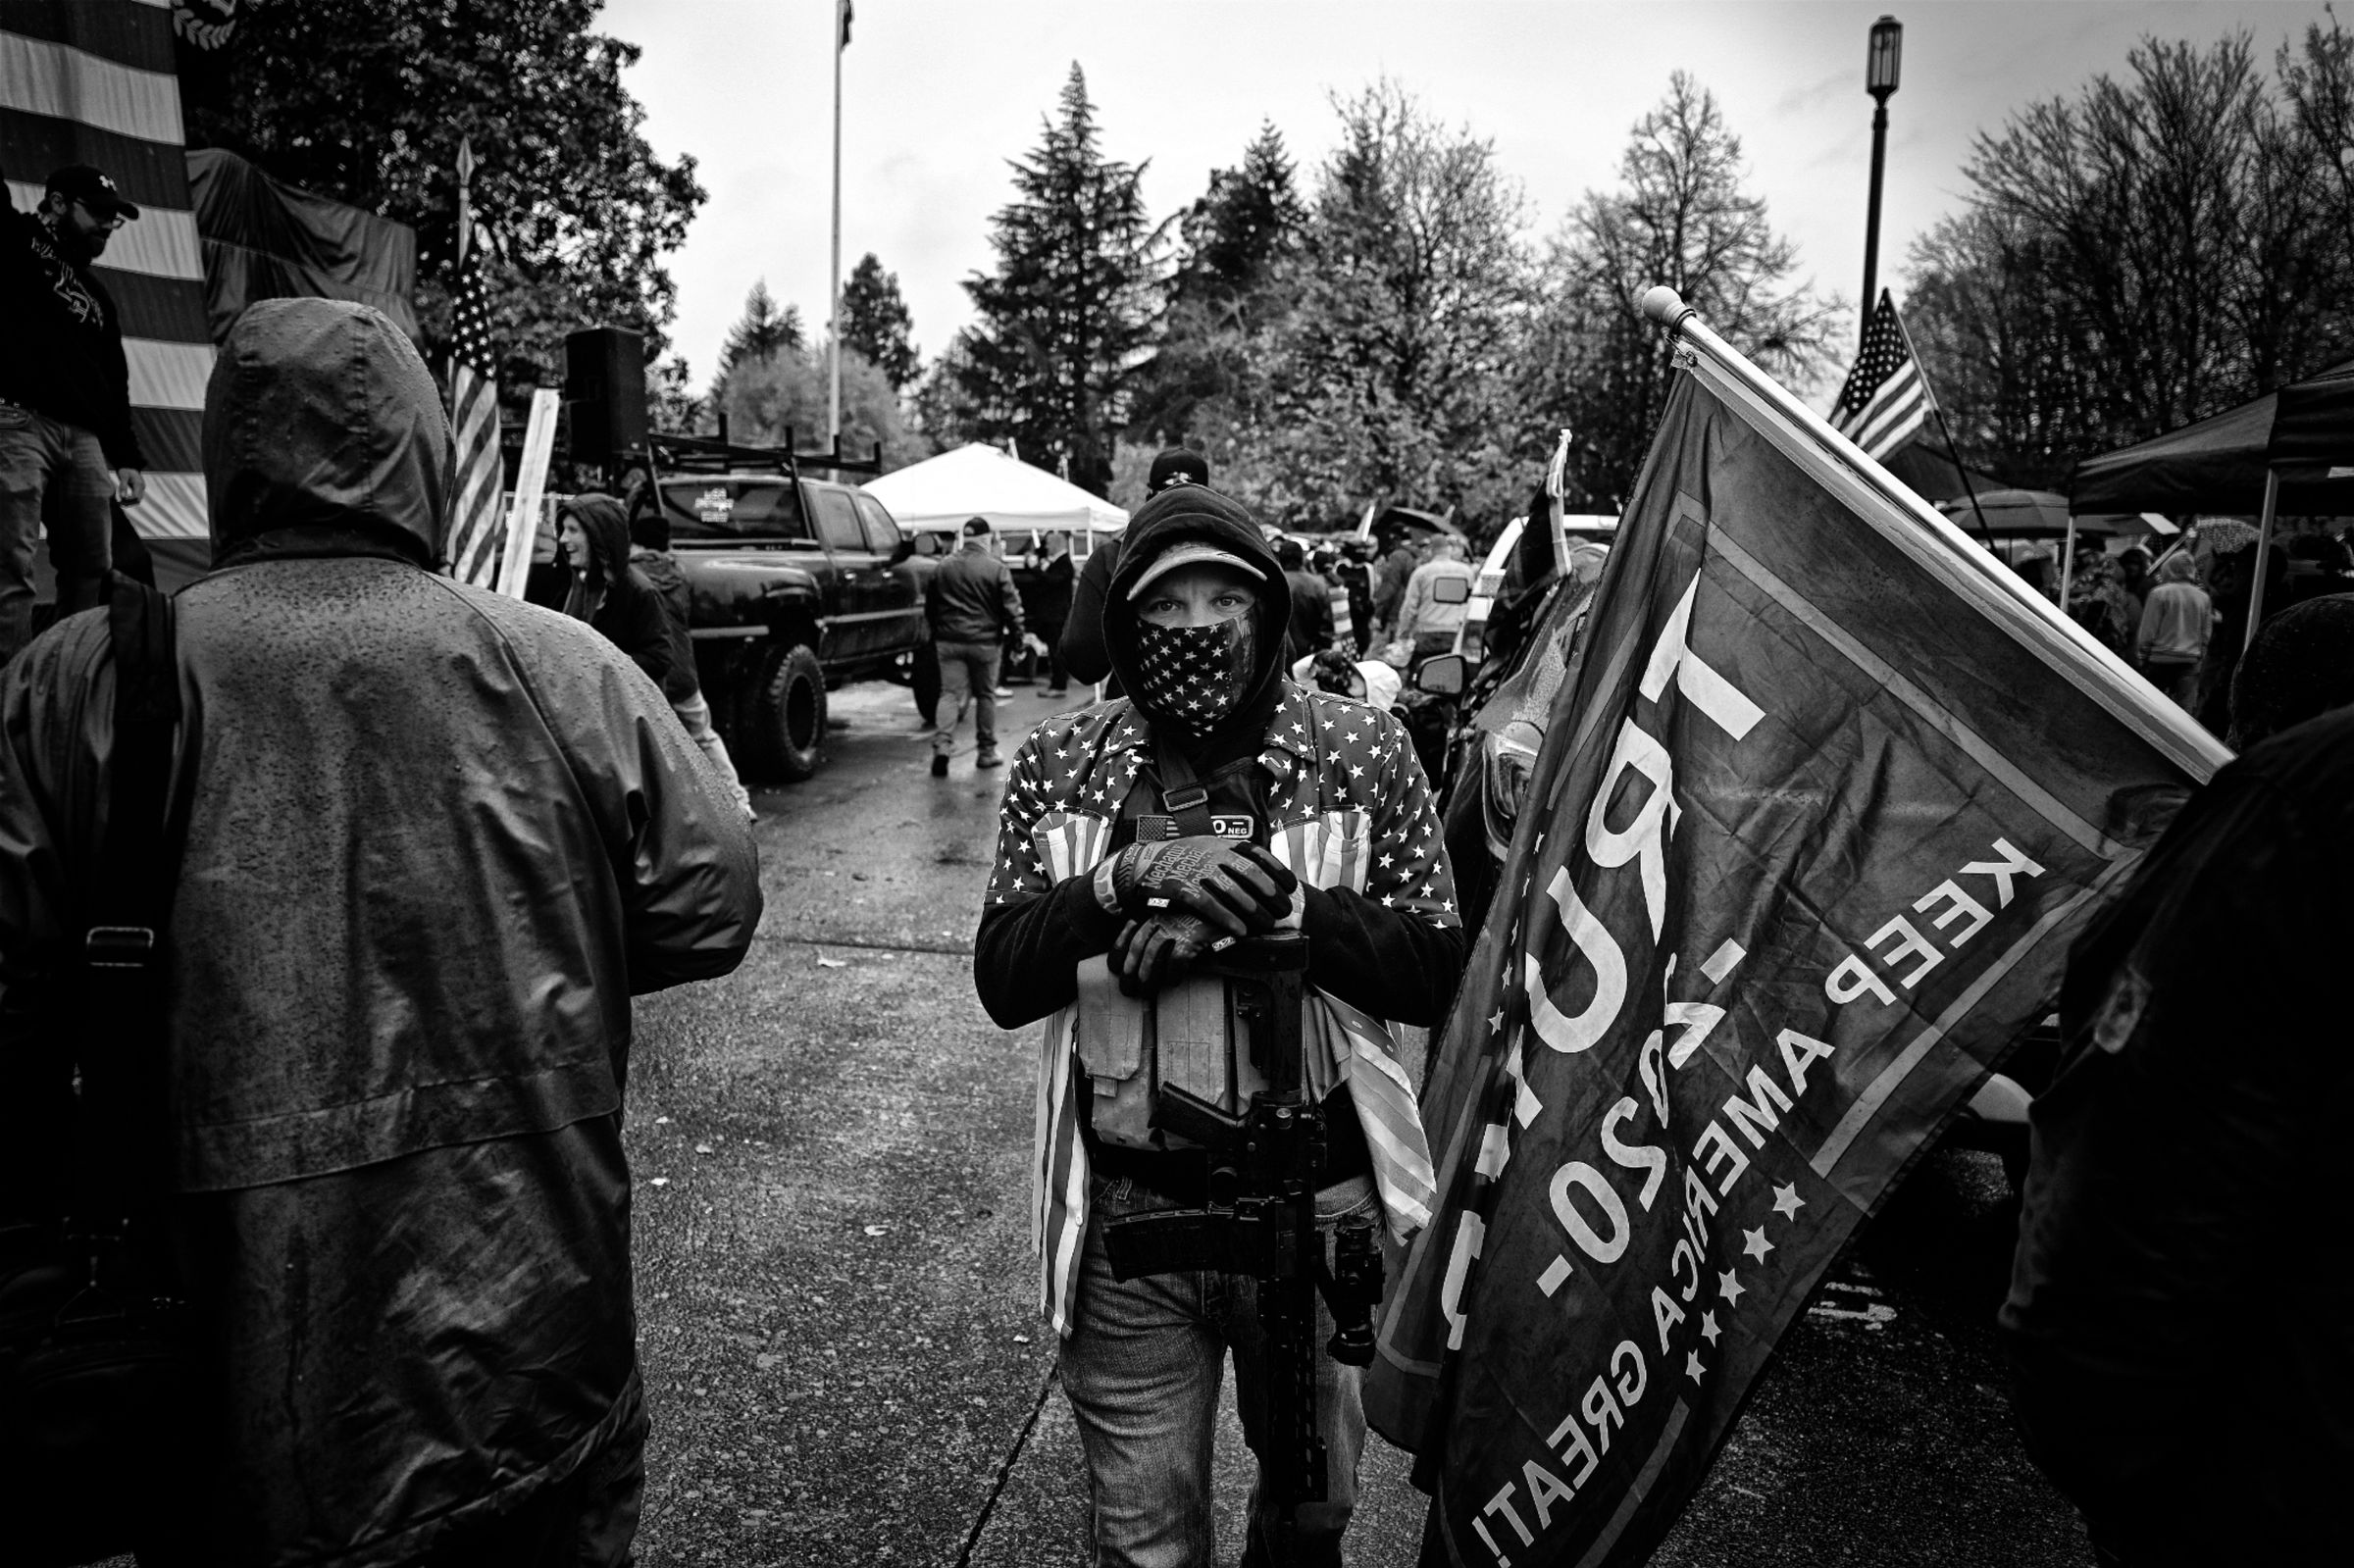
{"x":842,"y":38}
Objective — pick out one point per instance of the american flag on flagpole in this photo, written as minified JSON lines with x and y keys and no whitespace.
{"x":1885,"y":401}
{"x":476,"y":517}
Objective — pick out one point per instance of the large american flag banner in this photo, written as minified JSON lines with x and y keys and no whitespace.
{"x":475,"y":522}
{"x":1885,"y":401}
{"x":96,"y":82}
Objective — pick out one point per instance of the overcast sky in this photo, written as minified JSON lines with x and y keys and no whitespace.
{"x":939,"y":94}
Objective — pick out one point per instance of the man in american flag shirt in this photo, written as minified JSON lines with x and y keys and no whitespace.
{"x":1322,"y":819}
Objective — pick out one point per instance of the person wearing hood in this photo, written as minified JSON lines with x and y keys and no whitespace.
{"x":1316,"y":816}
{"x":612,"y":591}
{"x":431,"y":842}
{"x":2176,"y":622}
{"x":1081,"y":645}
{"x":2180,"y":1324}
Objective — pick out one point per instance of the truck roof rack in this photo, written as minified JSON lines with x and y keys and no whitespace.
{"x":676,"y":453}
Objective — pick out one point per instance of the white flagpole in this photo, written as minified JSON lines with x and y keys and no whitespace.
{"x":1937,"y":544}
{"x":834,"y":324}
{"x":531,"y":485}
{"x":2264,"y":555}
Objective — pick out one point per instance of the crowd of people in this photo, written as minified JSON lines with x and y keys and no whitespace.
{"x":2180,"y":619}
{"x":425,"y":842}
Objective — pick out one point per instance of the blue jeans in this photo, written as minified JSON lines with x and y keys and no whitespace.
{"x":1142,"y":1369}
{"x":53,"y":473}
{"x":968,"y":679}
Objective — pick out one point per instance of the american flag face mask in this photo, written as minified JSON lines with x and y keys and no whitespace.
{"x":1191,"y":676}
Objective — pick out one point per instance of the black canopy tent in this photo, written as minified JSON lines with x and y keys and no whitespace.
{"x":2315,"y":427}
{"x":2290,"y":450}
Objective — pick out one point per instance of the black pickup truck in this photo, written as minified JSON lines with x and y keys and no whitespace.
{"x":796,"y":585}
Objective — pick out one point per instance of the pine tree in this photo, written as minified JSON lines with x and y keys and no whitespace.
{"x":875,"y":321}
{"x":1247,"y":221}
{"x":1235,"y":239}
{"x":764,"y":331}
{"x":1065,"y":319}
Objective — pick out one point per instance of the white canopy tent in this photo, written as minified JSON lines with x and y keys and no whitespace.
{"x":940,"y":493}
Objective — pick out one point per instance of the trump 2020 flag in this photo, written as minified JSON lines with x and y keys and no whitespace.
{"x":1821,"y":808}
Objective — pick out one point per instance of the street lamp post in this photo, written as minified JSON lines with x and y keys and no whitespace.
{"x":1879,"y":79}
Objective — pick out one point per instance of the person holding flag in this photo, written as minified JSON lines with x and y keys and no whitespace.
{"x":1830,"y":796}
{"x":2187,"y":1155}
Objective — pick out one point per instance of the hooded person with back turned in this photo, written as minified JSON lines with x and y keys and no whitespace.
{"x":434,"y":840}
{"x":1318,"y":819}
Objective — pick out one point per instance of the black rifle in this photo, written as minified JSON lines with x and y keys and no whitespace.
{"x":1260,"y":1217}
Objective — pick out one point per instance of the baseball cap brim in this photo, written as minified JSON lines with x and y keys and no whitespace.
{"x":1182,"y":555}
{"x":92,"y":188}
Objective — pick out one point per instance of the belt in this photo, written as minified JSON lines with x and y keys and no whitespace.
{"x":1182,"y":1176}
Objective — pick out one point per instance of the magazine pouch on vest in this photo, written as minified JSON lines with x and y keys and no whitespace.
{"x":1187,"y":1036}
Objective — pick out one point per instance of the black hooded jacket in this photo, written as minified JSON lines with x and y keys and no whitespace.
{"x":2181,"y":1321}
{"x":1388,"y":961}
{"x":630,"y":611}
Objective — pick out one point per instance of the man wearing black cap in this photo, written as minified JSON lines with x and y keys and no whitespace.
{"x":1220,"y":791}
{"x":972,"y":605}
{"x":1082,"y":643}
{"x":1311,"y":630}
{"x":66,"y":446}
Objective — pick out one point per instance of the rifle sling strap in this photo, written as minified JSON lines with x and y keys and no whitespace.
{"x":117,"y":1000}
{"x":1183,"y":793}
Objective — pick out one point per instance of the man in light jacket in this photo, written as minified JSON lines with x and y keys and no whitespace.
{"x":2175,"y":623}
{"x":1426,"y":622}
{"x":435,"y":839}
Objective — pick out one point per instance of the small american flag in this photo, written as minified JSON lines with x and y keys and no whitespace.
{"x":475,"y":522}
{"x":1885,"y":401}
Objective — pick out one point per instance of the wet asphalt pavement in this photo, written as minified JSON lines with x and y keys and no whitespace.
{"x":835,"y":1292}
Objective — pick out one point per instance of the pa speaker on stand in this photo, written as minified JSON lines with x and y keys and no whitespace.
{"x":604,"y":398}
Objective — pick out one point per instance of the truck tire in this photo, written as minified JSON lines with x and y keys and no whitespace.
{"x":925,"y":679}
{"x":781,"y":714}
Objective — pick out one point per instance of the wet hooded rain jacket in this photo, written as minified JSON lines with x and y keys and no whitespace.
{"x":2180,"y":1321}
{"x":1345,"y":808}
{"x":436,"y":839}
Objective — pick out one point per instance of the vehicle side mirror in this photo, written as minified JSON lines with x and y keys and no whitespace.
{"x":905,"y":550}
{"x":1451,"y":590}
{"x":1441,"y":674}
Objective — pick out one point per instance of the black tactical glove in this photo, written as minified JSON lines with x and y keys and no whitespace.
{"x":1149,"y":955}
{"x":1237,"y":887}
